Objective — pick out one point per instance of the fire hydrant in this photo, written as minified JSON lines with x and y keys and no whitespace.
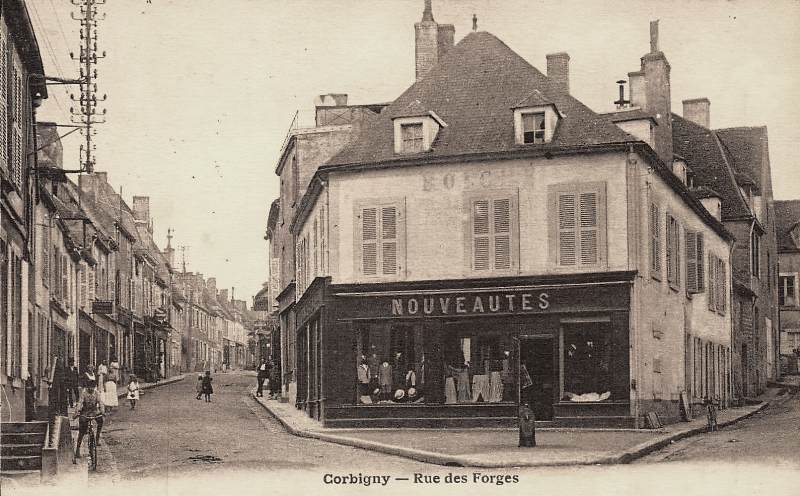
{"x":527,"y":430}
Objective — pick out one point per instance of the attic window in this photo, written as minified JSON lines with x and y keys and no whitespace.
{"x":533,"y":127}
{"x":412,"y":137}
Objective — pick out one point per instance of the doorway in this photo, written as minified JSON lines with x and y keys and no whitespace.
{"x":538,"y":357}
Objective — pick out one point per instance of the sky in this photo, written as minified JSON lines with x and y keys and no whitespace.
{"x":201,"y":92}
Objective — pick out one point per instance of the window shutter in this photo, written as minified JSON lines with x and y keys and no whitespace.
{"x":655,"y":240}
{"x":3,"y":101}
{"x":45,"y":251}
{"x":588,"y":228}
{"x":670,"y":248}
{"x":369,"y":241}
{"x":567,"y":242}
{"x":64,"y":280}
{"x":389,"y":240}
{"x":83,"y":286}
{"x":722,"y":292}
{"x":480,"y":235}
{"x":700,"y":264}
{"x":711,"y":282}
{"x":677,"y":233}
{"x":691,"y":262}
{"x":502,"y":233}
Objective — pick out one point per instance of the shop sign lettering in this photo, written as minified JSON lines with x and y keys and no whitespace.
{"x":470,"y":304}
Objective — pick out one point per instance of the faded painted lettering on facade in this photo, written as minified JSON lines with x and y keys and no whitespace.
{"x":470,"y":304}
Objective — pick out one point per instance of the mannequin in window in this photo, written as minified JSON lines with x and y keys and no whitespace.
{"x":398,"y":370}
{"x":385,"y":380}
{"x":461,"y":375}
{"x":374,"y":364}
{"x":363,"y":382}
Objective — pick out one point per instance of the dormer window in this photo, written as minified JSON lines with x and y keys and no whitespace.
{"x":535,"y":120}
{"x":533,"y":127}
{"x":412,"y":138}
{"x":416,"y":134}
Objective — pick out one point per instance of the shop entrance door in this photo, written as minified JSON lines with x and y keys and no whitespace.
{"x":537,"y":356}
{"x":84,"y":350}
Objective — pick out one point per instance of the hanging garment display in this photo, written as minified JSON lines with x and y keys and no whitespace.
{"x":449,"y":390}
{"x":480,"y":388}
{"x":385,"y":377}
{"x":462,"y":385}
{"x":495,"y":385}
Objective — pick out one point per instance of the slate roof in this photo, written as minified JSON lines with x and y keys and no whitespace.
{"x":710,"y":163}
{"x":746,"y":145}
{"x":787,"y":215}
{"x":473,"y":89}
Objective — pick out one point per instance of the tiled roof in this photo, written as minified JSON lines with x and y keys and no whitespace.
{"x":630,"y":115}
{"x":787,"y":215}
{"x":710,"y":164}
{"x":473,"y":89}
{"x":746,"y":145}
{"x":701,"y":192}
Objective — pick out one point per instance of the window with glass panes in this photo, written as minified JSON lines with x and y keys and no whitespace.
{"x":786,"y":290}
{"x":411,"y":134}
{"x":533,"y":127}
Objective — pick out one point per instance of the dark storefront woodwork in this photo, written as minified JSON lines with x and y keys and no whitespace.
{"x":464,"y":353}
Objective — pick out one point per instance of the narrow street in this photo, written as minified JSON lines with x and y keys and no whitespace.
{"x":172,"y":434}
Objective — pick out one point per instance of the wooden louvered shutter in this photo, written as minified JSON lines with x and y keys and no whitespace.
{"x":691,"y":262}
{"x":64,"y":279}
{"x":4,"y":162}
{"x":567,"y":239}
{"x":700,"y":264}
{"x":677,"y":234}
{"x":655,"y":241}
{"x":711,"y":282}
{"x":722,"y":292}
{"x":589,"y":232}
{"x":17,"y":158}
{"x":388,"y":248}
{"x":481,"y":244}
{"x":369,"y":241}
{"x":502,"y":233}
{"x":82,"y":301}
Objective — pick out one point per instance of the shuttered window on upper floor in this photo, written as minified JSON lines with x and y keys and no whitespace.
{"x":673,"y":252}
{"x":655,"y":241}
{"x":577,"y":221}
{"x":493,"y":229}
{"x":380,"y":247}
{"x":695,"y":268}
{"x":3,"y":100}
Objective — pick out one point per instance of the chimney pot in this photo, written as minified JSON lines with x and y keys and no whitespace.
{"x":558,"y":70}
{"x":698,"y":110}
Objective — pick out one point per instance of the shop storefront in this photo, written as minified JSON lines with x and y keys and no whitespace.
{"x":465,"y":353}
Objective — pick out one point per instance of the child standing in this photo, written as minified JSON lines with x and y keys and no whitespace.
{"x":199,"y":387}
{"x":133,"y":391}
{"x":207,"y":389}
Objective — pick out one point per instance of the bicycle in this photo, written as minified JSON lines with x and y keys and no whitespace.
{"x":91,"y":430}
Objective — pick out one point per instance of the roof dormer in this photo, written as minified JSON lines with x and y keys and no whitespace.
{"x":415,"y":128}
{"x":535,"y":120}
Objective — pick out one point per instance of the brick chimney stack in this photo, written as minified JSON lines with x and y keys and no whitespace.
{"x":653,"y":81}
{"x":558,"y":70}
{"x":432,"y":41}
{"x":141,"y":211}
{"x":698,"y":110}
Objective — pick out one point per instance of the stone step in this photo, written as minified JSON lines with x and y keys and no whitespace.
{"x":22,"y":438}
{"x":21,"y":463}
{"x":18,"y":427}
{"x":18,"y":479}
{"x":29,"y":449}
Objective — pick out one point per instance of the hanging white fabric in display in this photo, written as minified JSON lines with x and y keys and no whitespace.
{"x":449,"y":391}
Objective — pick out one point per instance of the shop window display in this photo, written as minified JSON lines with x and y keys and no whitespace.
{"x":586,"y":356}
{"x":391,"y":364}
{"x":478,"y":368}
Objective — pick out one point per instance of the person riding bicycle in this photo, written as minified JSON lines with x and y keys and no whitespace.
{"x":90,"y":404}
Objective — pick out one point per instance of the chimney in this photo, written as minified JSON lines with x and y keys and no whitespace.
{"x":655,"y":70}
{"x":102,"y":177}
{"x":211,"y":285}
{"x":223,"y":295}
{"x":431,"y":41}
{"x":141,"y":208}
{"x":697,"y":110}
{"x":558,"y":71}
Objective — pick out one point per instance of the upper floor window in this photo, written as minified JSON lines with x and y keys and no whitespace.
{"x":695,"y":271}
{"x":786,"y":290}
{"x":578,"y":225}
{"x":411,"y":134}
{"x":717,"y":284}
{"x":493,"y":232}
{"x":535,"y":120}
{"x":533,"y":127}
{"x":379,"y":237}
{"x":673,"y":251}
{"x":755,"y":255}
{"x":655,"y":241}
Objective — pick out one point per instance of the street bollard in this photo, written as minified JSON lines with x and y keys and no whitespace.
{"x":527,"y":430}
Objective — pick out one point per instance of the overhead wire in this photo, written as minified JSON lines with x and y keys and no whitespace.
{"x":52,"y":54}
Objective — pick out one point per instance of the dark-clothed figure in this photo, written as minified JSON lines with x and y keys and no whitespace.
{"x":274,"y":381}
{"x":207,"y":389}
{"x":71,"y":385}
{"x":262,"y":374}
{"x":90,"y":404}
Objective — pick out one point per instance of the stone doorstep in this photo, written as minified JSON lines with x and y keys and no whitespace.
{"x":625,"y":456}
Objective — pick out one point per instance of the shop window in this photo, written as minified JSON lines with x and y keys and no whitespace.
{"x":478,"y":368}
{"x":586,"y":356}
{"x":391,"y":364}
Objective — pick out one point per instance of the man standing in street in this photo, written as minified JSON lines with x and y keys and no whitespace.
{"x":263,"y":373}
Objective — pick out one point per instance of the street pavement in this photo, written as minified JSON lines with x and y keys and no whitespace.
{"x":173,"y":444}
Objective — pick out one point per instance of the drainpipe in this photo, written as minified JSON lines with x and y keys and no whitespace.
{"x":634,"y":316}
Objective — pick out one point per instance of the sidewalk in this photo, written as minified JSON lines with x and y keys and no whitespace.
{"x":497,"y":448}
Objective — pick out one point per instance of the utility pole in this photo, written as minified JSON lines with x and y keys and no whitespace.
{"x":183,"y":249}
{"x":87,"y":114}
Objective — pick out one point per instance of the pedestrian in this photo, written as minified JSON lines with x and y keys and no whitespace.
{"x":75,"y":381}
{"x":199,"y":386}
{"x":207,"y":389}
{"x":88,"y":376}
{"x":89,"y":404}
{"x":274,"y":381}
{"x":110,"y":386}
{"x":262,"y":374}
{"x":133,"y":391}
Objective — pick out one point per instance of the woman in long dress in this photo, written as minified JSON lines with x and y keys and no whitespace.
{"x":111,"y":385}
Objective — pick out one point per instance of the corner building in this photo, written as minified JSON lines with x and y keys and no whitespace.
{"x":488,"y":240}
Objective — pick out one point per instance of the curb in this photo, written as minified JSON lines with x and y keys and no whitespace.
{"x":625,"y":457}
{"x":155,"y":384}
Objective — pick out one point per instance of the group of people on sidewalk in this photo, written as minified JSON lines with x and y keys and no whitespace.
{"x":269,"y":372}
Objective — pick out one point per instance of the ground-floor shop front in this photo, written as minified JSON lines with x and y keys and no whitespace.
{"x":465,"y":353}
